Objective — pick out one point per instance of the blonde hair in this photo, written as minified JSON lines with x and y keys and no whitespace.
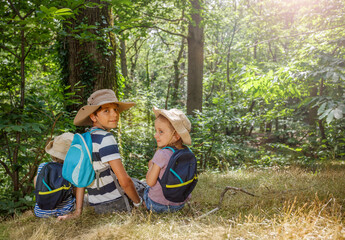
{"x":179,"y":142}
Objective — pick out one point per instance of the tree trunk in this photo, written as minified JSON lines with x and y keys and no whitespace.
{"x":312,"y":114}
{"x":123,"y":58}
{"x":15,"y":175}
{"x":134,"y":59}
{"x":177,"y":75}
{"x":321,"y":127}
{"x":228,"y":59}
{"x":89,"y":59}
{"x":195,"y":59}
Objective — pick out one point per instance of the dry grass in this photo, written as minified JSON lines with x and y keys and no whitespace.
{"x":290,"y":203}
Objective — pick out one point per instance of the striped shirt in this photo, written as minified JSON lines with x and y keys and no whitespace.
{"x":104,"y":149}
{"x":63,"y":208}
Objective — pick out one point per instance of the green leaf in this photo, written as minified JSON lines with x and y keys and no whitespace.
{"x":44,"y":9}
{"x":63,"y":11}
{"x":325,"y":113}
{"x":330,"y":117}
{"x":338,"y":113}
{"x":52,"y":9}
{"x":321,"y":108}
{"x":36,"y":128}
{"x":14,"y":128}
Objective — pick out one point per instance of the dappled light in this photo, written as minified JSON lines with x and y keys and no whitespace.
{"x":261,"y":81}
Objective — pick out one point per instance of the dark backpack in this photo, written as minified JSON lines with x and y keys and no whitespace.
{"x":180,"y":176}
{"x":51,"y":187}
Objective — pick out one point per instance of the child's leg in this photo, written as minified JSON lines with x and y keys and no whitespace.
{"x":156,"y":207}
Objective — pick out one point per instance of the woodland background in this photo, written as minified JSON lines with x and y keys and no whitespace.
{"x":261,"y":80}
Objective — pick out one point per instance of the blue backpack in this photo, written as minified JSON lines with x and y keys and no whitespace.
{"x":51,"y":188}
{"x":77,"y":167}
{"x":180,"y":176}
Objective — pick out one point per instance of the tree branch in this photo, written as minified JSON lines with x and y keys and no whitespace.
{"x":235,"y":189}
{"x":29,"y":13}
{"x":31,"y":173}
{"x":8,"y":171}
{"x":167,"y":19}
{"x":15,"y":10}
{"x":155,"y":27}
{"x":9,"y":50}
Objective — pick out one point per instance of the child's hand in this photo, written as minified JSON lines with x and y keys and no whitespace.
{"x":75,"y":214}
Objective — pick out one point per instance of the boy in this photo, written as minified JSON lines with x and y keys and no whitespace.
{"x":102,"y":113}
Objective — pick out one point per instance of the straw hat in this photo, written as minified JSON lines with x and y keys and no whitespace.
{"x":179,"y":121}
{"x":97,"y":99}
{"x":60,"y":145}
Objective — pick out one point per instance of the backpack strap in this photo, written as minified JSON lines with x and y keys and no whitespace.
{"x":44,"y":182}
{"x":172,"y":149}
{"x":118,"y":187}
{"x":121,"y":191}
{"x":98,"y":172}
{"x":96,"y":129}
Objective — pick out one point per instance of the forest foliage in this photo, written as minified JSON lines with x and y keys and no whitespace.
{"x":272,"y":80}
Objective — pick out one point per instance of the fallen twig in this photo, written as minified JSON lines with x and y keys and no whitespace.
{"x":235,"y":189}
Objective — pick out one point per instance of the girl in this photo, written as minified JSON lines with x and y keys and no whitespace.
{"x":172,"y":129}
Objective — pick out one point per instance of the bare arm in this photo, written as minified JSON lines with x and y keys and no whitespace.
{"x":35,"y":178}
{"x":125,"y":181}
{"x":79,"y":205}
{"x":150,"y":164}
{"x":152,"y":174}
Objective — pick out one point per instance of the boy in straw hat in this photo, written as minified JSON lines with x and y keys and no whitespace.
{"x":172,"y":129}
{"x":57,"y":149}
{"x":102,"y":112}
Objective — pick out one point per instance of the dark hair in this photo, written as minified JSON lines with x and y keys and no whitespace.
{"x":100,"y":107}
{"x":58,"y":160}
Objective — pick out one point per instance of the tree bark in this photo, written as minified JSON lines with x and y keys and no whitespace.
{"x":177,"y":75}
{"x":321,"y":127}
{"x":89,"y":59}
{"x":312,"y":114}
{"x":123,"y":58}
{"x":195,"y":59}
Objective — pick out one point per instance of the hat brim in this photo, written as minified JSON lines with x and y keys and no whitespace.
{"x":49,"y":149}
{"x":183,"y":132}
{"x":83,"y":116}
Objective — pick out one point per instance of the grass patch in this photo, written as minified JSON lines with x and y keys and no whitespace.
{"x":290,"y":203}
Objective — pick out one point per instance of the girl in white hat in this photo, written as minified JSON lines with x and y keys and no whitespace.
{"x":102,"y":113}
{"x":172,"y":129}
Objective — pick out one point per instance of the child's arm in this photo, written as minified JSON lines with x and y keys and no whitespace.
{"x":79,"y":195}
{"x":152,"y":174}
{"x":150,"y":164}
{"x":35,"y":178}
{"x":125,"y":181}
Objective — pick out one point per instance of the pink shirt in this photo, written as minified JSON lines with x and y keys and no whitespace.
{"x":161,"y":158}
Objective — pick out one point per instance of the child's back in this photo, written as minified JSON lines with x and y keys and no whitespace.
{"x":102,"y":112}
{"x":172,"y":129}
{"x":53,"y":193}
